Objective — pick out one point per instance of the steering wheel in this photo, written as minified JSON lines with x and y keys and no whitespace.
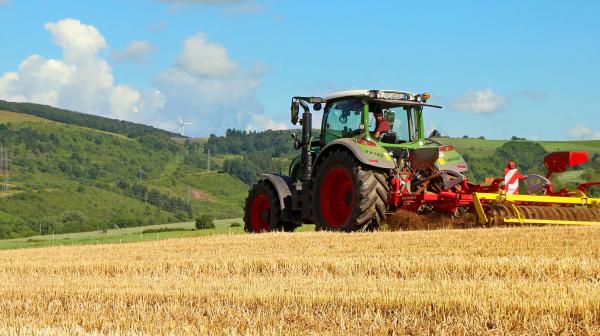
{"x":388,"y":135}
{"x":343,"y":119}
{"x":350,"y":132}
{"x":433,"y":141}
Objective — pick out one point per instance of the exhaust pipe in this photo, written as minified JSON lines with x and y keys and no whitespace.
{"x":306,"y":157}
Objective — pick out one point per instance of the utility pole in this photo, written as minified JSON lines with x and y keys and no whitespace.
{"x":140,"y":174}
{"x":2,"y":165}
{"x":208,"y":159}
{"x":4,"y":168}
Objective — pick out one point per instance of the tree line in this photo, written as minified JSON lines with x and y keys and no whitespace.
{"x":175,"y":204}
{"x":271,"y":143}
{"x":130,"y":129}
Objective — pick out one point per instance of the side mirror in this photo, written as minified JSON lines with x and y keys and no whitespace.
{"x":294,"y":111}
{"x":317,"y":106}
{"x":296,"y":141}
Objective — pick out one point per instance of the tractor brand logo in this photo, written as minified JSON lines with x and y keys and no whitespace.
{"x":374,"y":153}
{"x":409,"y":198}
{"x":445,"y":161}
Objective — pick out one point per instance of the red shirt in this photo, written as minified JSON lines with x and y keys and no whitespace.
{"x":383,"y":126}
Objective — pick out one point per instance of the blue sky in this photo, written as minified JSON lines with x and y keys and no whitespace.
{"x":504,"y":68}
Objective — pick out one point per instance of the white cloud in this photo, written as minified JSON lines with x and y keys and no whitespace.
{"x":79,"y":42}
{"x":136,"y":51}
{"x":123,"y":100}
{"x":204,"y":85}
{"x":203,"y":58}
{"x":212,"y":91}
{"x":81,"y":81}
{"x":265,"y":123}
{"x":481,"y":102}
{"x":581,"y":132}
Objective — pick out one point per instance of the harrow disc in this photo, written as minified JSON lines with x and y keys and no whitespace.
{"x":498,"y":213}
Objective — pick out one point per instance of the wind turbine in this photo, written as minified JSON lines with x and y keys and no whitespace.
{"x":182,"y":125}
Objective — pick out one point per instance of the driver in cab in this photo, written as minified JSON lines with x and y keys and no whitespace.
{"x":381,"y":125}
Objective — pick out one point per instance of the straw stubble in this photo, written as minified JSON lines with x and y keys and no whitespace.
{"x":496,"y":281}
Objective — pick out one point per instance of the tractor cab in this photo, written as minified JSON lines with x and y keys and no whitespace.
{"x":346,"y":119}
{"x":350,"y":114}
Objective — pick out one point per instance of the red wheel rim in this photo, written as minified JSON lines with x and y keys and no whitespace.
{"x":260,"y":214}
{"x":337,"y":197}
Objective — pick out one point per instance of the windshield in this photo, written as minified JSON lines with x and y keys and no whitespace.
{"x":401,"y":123}
{"x":342,"y":119}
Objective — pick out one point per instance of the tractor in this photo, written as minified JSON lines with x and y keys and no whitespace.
{"x":350,"y":177}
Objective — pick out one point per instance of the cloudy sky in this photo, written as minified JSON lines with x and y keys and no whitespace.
{"x":524,"y":68}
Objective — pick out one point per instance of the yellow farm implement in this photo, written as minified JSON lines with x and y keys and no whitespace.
{"x":502,"y":208}
{"x":542,"y":205}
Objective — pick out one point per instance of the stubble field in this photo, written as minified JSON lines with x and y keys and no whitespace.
{"x":494,"y":281}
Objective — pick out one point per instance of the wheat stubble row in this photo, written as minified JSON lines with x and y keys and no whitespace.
{"x":497,"y":281}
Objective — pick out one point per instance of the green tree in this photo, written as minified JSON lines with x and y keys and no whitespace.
{"x":205,"y":222}
{"x":154,"y":197}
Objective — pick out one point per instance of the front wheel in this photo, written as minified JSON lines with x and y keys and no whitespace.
{"x":262,"y":212}
{"x":347,"y":195}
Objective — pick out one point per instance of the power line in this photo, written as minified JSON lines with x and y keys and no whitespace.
{"x":208,"y":159}
{"x":4,"y":168}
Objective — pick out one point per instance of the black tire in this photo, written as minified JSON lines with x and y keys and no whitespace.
{"x":359,"y":191}
{"x":264,"y":199}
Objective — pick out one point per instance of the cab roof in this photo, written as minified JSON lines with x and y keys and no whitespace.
{"x":389,"y":98}
{"x":362,"y":93}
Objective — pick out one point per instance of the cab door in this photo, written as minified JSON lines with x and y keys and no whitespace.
{"x":342,"y":119}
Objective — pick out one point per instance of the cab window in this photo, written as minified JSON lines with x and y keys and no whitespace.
{"x":401,"y":120}
{"x":342,"y":119}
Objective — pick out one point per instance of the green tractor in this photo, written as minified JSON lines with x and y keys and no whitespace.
{"x":346,"y":178}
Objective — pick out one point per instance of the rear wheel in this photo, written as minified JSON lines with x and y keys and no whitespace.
{"x":262,"y":212}
{"x":347,"y":195}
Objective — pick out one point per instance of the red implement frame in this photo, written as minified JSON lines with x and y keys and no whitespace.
{"x":400,"y":197}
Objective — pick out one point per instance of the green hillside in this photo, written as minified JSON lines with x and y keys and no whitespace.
{"x":482,"y":147}
{"x":68,"y":178}
{"x":127,"y":128}
{"x":483,"y":157}
{"x":245,"y":154}
{"x":7,"y":116}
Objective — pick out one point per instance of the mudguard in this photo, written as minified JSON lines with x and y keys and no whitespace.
{"x":282,"y":186}
{"x":375,"y":156}
{"x":451,"y":160}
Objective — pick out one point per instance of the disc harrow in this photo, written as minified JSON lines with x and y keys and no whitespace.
{"x":499,"y":214}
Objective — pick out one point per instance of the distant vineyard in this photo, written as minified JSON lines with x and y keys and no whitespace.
{"x":487,"y":281}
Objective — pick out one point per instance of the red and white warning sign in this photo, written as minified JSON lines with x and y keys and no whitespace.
{"x":511,"y":179}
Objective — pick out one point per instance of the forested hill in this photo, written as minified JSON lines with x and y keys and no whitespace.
{"x":65,"y":178}
{"x":127,"y":128}
{"x":246,"y":154}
